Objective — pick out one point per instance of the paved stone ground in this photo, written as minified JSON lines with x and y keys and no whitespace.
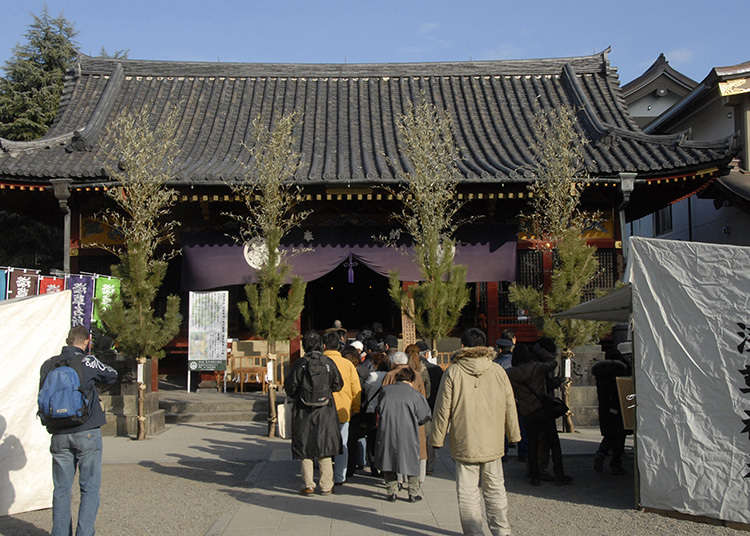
{"x":223,"y":479}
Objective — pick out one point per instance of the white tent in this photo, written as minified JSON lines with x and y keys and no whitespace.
{"x":32,"y":330}
{"x":691,"y":326}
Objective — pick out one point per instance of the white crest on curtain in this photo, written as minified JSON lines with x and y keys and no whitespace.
{"x":256,"y":253}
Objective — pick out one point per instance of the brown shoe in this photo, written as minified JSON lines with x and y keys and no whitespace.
{"x":307,"y":491}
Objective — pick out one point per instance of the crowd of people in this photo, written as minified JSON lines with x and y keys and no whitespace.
{"x":361,"y":403}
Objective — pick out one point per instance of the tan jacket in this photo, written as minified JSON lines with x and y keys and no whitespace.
{"x":349,"y":398}
{"x":475,"y":403}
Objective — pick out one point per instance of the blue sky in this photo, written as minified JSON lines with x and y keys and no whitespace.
{"x":695,"y":35}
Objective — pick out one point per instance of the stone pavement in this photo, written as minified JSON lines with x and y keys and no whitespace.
{"x":273,"y":506}
{"x":226,"y":479}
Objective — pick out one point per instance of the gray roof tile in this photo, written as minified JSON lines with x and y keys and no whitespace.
{"x":347,"y":132}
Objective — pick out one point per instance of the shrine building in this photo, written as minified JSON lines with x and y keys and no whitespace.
{"x":351,"y":159}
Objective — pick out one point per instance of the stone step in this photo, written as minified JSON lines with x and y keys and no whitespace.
{"x":172,"y":406}
{"x":227,"y":416}
{"x":585,"y":415}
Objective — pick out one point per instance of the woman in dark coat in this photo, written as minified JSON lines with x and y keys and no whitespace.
{"x":401,"y":410}
{"x":529,"y":380}
{"x":315,"y":429}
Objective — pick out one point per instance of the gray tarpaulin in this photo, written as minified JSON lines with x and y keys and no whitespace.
{"x":691,"y":314}
{"x":613,"y":307}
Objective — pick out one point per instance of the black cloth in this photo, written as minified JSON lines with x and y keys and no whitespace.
{"x":543,"y":430}
{"x":93,"y":372}
{"x":436,"y":374}
{"x":315,"y":430}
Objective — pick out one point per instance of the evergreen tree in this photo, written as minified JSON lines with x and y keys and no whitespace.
{"x":273,"y":306}
{"x":30,"y":91}
{"x":556,"y":222}
{"x":140,"y":162}
{"x":429,"y":216}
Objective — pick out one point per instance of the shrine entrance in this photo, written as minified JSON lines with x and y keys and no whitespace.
{"x":357,"y":304}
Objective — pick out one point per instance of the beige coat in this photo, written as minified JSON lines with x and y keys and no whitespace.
{"x":475,"y":403}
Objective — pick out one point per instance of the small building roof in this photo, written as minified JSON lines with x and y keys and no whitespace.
{"x":659,"y":74}
{"x":347,"y":132}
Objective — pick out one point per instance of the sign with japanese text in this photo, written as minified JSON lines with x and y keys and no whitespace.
{"x":82,"y":300}
{"x":106,"y":292}
{"x":22,"y":283}
{"x":692,"y":376}
{"x":49,"y":284}
{"x":207,"y":338}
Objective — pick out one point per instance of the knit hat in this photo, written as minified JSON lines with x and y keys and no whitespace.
{"x":399,"y":358}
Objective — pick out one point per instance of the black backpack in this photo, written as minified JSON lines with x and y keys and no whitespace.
{"x":316,"y":382}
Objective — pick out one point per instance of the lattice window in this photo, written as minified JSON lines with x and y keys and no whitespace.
{"x":505,"y":308}
{"x":606,"y":275}
{"x":530,"y":270}
{"x":529,"y":273}
{"x":482,"y":298}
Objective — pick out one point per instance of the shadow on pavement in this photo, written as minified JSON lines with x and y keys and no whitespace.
{"x":11,"y":526}
{"x":287,"y":501}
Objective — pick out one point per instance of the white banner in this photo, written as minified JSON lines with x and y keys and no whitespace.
{"x":691,"y":314}
{"x":207,"y":342}
{"x":32,"y":331}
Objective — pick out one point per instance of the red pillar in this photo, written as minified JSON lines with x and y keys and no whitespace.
{"x":493,"y":312}
{"x":295,"y":343}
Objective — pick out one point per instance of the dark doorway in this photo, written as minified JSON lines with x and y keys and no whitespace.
{"x":357,"y":304}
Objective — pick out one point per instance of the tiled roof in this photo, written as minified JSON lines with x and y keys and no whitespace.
{"x":348,"y":133}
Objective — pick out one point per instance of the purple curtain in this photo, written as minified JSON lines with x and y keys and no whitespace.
{"x":490,"y":256}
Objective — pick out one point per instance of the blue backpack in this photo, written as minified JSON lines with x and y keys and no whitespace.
{"x":62,"y":401}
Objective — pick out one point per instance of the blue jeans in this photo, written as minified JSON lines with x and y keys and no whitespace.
{"x":341,"y":460}
{"x":82,"y":450}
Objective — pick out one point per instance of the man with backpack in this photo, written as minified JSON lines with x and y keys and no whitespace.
{"x":69,"y":407}
{"x":315,"y":425}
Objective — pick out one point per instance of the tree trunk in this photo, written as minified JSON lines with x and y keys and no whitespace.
{"x":272,"y":417}
{"x":141,"y":434}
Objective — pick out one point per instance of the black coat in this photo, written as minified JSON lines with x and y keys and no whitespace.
{"x":610,"y":416}
{"x":315,"y":430}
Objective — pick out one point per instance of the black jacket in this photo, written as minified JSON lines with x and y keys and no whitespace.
{"x":93,"y":371}
{"x":315,"y":430}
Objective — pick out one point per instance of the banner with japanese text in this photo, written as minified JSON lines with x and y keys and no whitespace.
{"x":207,"y":339}
{"x":82,"y":300}
{"x":22,"y":282}
{"x":106,"y":292}
{"x":49,"y":284}
{"x":691,"y":325}
{"x":3,"y":282}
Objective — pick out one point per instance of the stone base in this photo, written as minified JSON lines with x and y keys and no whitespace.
{"x":122,"y":414}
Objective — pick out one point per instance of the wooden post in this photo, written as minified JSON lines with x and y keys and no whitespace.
{"x":141,"y":434}
{"x":408,"y":328}
{"x":272,"y":417}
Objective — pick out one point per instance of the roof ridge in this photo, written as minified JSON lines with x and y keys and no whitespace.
{"x":592,"y":63}
{"x":81,"y":138}
{"x":84,"y":137}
